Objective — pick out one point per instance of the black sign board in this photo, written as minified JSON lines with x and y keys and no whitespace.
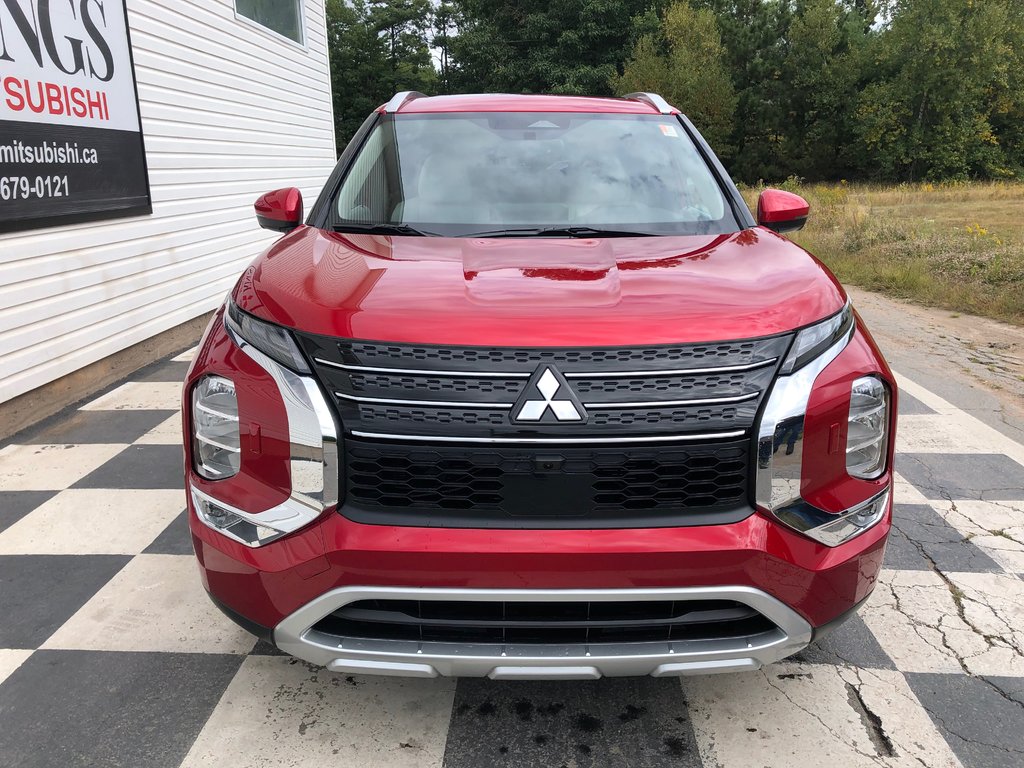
{"x":71,"y":145}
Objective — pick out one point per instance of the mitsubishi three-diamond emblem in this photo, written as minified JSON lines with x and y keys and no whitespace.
{"x":548,"y":397}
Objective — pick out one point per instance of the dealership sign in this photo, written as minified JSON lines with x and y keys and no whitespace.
{"x":70,"y":137}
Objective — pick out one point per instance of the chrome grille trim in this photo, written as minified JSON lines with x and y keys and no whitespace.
{"x":550,"y":440}
{"x":670,"y":372}
{"x":673,"y":403}
{"x":506,"y":406}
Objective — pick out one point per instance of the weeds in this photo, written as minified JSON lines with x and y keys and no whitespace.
{"x":959,"y":246}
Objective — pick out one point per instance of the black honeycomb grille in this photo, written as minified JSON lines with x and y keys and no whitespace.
{"x":374,"y":383}
{"x":559,"y":623}
{"x":737,"y":351}
{"x":444,"y":416}
{"x":666,"y":387}
{"x":723,"y":416}
{"x":559,"y":487}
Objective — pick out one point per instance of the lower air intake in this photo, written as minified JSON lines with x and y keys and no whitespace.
{"x":547,"y":623}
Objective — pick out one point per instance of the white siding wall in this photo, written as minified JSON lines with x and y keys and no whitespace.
{"x":229,"y":111}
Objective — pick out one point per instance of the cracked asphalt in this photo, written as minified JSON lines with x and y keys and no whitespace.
{"x":111,"y":655}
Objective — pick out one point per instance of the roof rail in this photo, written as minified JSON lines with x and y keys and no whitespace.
{"x":653,"y":99}
{"x":400,"y":99}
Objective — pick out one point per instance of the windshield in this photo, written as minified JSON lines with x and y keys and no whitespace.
{"x":522,"y":174}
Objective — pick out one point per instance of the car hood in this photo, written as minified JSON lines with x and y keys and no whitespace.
{"x":539,"y":292}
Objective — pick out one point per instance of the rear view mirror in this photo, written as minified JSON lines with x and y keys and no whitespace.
{"x":782,"y":211}
{"x":280,"y":210}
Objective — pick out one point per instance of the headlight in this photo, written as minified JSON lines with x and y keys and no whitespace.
{"x":781,"y":437}
{"x":215,"y":439}
{"x":814,"y":340}
{"x":272,"y":340}
{"x":868,"y":429}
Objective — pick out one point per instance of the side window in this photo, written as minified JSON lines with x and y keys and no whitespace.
{"x":281,"y":16}
{"x":371,"y":189}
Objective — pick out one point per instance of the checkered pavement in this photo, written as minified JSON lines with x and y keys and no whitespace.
{"x":111,"y":655}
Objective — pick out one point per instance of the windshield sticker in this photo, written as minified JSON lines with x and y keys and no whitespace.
{"x":668,"y":130}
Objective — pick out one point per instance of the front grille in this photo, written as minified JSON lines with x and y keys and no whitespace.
{"x":445,"y":392}
{"x":564,"y":487}
{"x":552,"y":623}
{"x":438,"y":436}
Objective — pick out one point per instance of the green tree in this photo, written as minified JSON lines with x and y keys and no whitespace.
{"x":826,"y":66}
{"x":685,"y":62}
{"x":405,"y":27}
{"x":1007,"y":117}
{"x":357,"y":58}
{"x":446,"y":25}
{"x":376,"y":49}
{"x":945,"y":87}
{"x":822,"y":89}
{"x":755,"y":34}
{"x":536,"y":46}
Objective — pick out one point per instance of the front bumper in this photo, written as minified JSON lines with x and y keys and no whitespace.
{"x":297,"y":635}
{"x":286,"y":587}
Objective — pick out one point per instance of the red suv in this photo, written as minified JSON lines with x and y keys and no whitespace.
{"x":531,"y":394}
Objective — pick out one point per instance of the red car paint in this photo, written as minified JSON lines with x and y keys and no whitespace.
{"x":621,"y":291}
{"x":554,"y":292}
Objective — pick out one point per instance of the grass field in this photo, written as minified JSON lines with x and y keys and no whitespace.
{"x":960,"y":247}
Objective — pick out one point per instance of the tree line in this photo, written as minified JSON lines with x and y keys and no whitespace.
{"x":886,"y":90}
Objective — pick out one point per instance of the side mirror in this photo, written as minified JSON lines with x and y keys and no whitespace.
{"x":782,"y":211}
{"x":280,"y":210}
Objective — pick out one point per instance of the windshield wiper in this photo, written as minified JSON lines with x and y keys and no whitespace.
{"x":570,"y":231}
{"x":381,"y":228}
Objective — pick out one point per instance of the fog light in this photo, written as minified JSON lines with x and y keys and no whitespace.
{"x":834,"y":529}
{"x":853,"y":522}
{"x":868,"y":428}
{"x":230,"y":523}
{"x":215,"y":439}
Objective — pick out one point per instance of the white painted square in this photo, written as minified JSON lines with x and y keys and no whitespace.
{"x":87,"y":522}
{"x":139,"y":395}
{"x":279,"y":711}
{"x":993,"y":607}
{"x":979,"y":431}
{"x":10,"y":660}
{"x":186,"y":356}
{"x":51,"y":467}
{"x":155,"y":603}
{"x":167,"y":432}
{"x":810,"y":715}
{"x":940,"y":433}
{"x":914,"y":618}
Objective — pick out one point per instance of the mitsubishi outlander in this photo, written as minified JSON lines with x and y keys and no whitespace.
{"x":530,"y":393}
